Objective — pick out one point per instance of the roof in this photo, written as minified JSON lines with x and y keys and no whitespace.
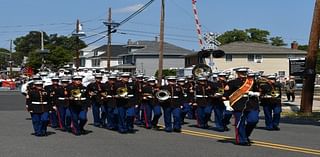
{"x":124,"y":66}
{"x":89,"y":48}
{"x":152,"y":48}
{"x":257,"y":48}
{"x":116,"y":50}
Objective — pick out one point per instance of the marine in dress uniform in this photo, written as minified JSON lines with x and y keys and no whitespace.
{"x":138,"y":85}
{"x":190,"y":84}
{"x":171,"y":106}
{"x":37,"y":103}
{"x":62,"y":106}
{"x":95,"y":89}
{"x":241,"y":95}
{"x":203,"y":99}
{"x":150,"y":104}
{"x":125,"y":108}
{"x":51,"y":90}
{"x":109,"y":102}
{"x":221,"y":115}
{"x":186,"y":104}
{"x":78,"y":105}
{"x":271,"y":101}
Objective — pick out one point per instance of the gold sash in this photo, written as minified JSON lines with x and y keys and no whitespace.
{"x":235,"y":96}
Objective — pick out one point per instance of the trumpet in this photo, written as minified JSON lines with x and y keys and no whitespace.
{"x":122,"y":92}
{"x":220,"y":92}
{"x":163,"y":95}
{"x":275,"y":94}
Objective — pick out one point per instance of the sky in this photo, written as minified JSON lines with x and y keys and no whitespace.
{"x":289,"y":19}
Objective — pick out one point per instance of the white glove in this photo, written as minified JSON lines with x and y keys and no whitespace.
{"x":253,"y":94}
{"x":227,"y":105}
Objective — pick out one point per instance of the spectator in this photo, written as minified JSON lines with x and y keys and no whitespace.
{"x":290,"y":85}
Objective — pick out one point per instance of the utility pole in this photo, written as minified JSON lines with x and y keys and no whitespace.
{"x":161,"y":43}
{"x":311,"y":59}
{"x":109,"y":42}
{"x":111,"y":29}
{"x":78,"y":52}
{"x":79,"y":33}
{"x":10,"y":62}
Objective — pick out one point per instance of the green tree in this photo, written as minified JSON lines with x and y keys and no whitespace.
{"x":232,"y":36}
{"x":258,"y":35}
{"x":62,"y":49}
{"x":59,"y":57}
{"x":30,"y":42}
{"x":167,"y":72}
{"x":277,"y":41}
{"x":34,"y":60}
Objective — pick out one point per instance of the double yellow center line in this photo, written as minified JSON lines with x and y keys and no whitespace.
{"x":255,"y":143}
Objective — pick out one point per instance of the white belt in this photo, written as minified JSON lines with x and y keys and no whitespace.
{"x":39,"y":103}
{"x":201,"y":96}
{"x":175,"y":97}
{"x":130,"y":95}
{"x":267,"y":96}
{"x":61,"y":98}
{"x":109,"y":96}
{"x":79,"y":98}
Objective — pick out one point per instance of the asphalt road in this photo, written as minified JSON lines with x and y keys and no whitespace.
{"x":294,"y":139}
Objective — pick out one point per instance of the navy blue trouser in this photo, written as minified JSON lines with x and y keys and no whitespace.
{"x":104,"y":112}
{"x":186,"y":110}
{"x":40,"y":122}
{"x":79,"y":119}
{"x":148,"y":108}
{"x":125,"y":119}
{"x":218,"y":110}
{"x":139,"y":116}
{"x":245,"y":123}
{"x":170,"y":112}
{"x":53,"y":118}
{"x":272,"y":115}
{"x":96,"y":112}
{"x":64,"y":117}
{"x":226,"y":117}
{"x":112,"y":118}
{"x":203,"y":115}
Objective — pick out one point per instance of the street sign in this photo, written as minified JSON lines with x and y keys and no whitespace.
{"x":297,"y":67}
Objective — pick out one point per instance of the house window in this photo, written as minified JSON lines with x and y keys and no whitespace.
{"x":254,"y":58}
{"x":95,"y":53}
{"x":258,"y":58}
{"x":281,"y":73}
{"x":82,"y":62}
{"x":228,"y":57}
{"x":250,"y":57}
{"x":95,"y":62}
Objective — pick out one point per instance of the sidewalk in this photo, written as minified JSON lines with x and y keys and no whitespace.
{"x":295,"y":106}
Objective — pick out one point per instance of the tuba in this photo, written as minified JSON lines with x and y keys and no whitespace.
{"x":163,"y":95}
{"x":76,"y":93}
{"x":201,"y":70}
{"x":122,"y":91}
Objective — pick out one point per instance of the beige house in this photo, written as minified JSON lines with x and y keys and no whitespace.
{"x":256,"y":56}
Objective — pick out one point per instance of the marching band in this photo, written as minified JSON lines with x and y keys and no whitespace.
{"x":124,"y":100}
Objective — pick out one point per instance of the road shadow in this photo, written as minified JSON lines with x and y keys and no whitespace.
{"x":49,"y":133}
{"x":299,"y":120}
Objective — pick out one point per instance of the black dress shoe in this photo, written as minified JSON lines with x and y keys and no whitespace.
{"x":177,"y":130}
{"x":276,"y":128}
{"x":244,"y":144}
{"x":226,"y":128}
